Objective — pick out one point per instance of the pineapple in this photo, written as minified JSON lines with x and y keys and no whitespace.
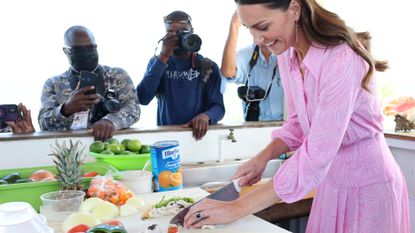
{"x":68,"y":161}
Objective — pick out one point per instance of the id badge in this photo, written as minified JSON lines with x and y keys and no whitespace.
{"x":80,"y":120}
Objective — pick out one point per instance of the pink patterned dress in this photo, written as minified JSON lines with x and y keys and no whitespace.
{"x":334,"y":127}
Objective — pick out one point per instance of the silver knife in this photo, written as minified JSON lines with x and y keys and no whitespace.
{"x":229,"y":192}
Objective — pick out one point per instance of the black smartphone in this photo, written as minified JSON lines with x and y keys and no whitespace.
{"x":89,"y":79}
{"x":9,"y":112}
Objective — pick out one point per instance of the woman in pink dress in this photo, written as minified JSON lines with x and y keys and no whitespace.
{"x":334,"y":127}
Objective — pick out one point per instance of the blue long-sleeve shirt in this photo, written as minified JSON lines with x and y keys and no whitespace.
{"x":180,"y":92}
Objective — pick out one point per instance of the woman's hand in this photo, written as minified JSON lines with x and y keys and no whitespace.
{"x":211,"y":212}
{"x":251,"y":171}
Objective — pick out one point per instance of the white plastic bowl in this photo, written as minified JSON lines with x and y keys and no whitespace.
{"x":21,"y":217}
{"x":137,"y":181}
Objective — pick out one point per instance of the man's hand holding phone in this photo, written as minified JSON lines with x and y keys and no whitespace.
{"x":83,"y":97}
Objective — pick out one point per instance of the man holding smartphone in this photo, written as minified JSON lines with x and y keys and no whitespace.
{"x":76,"y":100}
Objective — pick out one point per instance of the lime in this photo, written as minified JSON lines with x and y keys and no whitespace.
{"x":134,"y":145}
{"x":113,"y":141}
{"x":116,"y":149}
{"x":145,"y":149}
{"x":125,"y":142}
{"x":106,"y":144}
{"x":107,"y":152}
{"x":122,"y":147}
{"x":97,"y":147}
{"x":126,"y":152}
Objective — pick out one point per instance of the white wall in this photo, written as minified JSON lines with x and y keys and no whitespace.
{"x":29,"y":153}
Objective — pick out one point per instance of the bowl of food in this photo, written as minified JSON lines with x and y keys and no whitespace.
{"x":130,"y":154}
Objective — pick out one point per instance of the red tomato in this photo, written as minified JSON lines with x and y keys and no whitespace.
{"x":114,"y":223}
{"x":79,"y":228}
{"x":90,"y":174}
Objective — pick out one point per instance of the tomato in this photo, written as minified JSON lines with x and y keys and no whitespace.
{"x":90,"y":174}
{"x":79,"y":228}
{"x":114,"y":223}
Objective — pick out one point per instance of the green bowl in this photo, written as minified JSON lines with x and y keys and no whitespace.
{"x":124,"y":162}
{"x":31,"y":192}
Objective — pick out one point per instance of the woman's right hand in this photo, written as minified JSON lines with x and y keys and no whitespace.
{"x":251,"y":171}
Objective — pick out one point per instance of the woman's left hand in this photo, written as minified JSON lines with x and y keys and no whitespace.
{"x":211,"y":212}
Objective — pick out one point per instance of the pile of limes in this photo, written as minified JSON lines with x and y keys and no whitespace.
{"x":114,"y":147}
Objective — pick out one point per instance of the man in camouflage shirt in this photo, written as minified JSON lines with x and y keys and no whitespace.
{"x":64,"y":102}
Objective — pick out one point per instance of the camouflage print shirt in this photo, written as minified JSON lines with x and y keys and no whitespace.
{"x":58,"y":89}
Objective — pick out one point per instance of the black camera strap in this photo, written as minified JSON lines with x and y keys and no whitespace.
{"x":252,"y":63}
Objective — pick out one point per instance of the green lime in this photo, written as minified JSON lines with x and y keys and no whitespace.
{"x":113,"y":141}
{"x":126,"y":152}
{"x":122,"y":147}
{"x":106,"y":144}
{"x":125,"y":142}
{"x":134,"y":145}
{"x":97,"y":147}
{"x":107,"y":152}
{"x":116,"y":149}
{"x":145,"y":149}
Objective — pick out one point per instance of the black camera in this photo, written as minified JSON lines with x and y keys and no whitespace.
{"x":252,"y":96}
{"x":109,"y":105}
{"x":9,"y":112}
{"x":188,"y":40}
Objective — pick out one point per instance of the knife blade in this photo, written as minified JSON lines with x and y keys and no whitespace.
{"x":229,"y":192}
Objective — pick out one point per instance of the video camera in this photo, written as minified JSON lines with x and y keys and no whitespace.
{"x":252,"y":96}
{"x":188,"y":40}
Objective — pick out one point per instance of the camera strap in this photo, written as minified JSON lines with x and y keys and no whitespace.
{"x":205,"y":67}
{"x":252,"y":63}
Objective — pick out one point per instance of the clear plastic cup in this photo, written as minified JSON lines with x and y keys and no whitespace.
{"x":21,"y":217}
{"x":68,"y":200}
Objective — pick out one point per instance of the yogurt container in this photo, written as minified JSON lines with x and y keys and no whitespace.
{"x":166,"y":168}
{"x":137,"y":181}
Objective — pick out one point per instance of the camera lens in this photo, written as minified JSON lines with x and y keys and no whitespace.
{"x":12,"y":109}
{"x":191,"y":42}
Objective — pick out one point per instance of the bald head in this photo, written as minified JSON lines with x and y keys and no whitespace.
{"x":78,"y":36}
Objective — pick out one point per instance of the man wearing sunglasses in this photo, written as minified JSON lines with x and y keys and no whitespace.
{"x":66,"y":104}
{"x":186,"y":95}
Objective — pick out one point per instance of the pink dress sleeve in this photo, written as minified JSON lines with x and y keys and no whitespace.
{"x":290,"y":133}
{"x":338,"y":88}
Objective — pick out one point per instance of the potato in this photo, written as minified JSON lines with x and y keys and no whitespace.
{"x":106,"y":211}
{"x":79,"y":218}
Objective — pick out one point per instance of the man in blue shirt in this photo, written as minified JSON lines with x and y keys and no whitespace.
{"x":174,"y":76}
{"x":253,"y":66}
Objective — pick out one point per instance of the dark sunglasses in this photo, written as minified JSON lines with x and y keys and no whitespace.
{"x":80,"y":48}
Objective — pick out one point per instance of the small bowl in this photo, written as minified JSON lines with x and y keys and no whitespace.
{"x":68,"y":200}
{"x":21,"y":217}
{"x":138,"y":181}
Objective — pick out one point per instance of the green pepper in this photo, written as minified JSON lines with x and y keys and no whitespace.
{"x":11,"y":178}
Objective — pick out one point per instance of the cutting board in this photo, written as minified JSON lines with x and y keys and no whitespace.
{"x":134,"y":224}
{"x":248,"y":224}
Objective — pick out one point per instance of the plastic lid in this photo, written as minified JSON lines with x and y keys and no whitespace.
{"x":12,"y":213}
{"x":136,"y":175}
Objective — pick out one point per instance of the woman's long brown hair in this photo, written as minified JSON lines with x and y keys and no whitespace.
{"x":327,"y":28}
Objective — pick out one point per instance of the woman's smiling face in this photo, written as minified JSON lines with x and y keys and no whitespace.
{"x":273,"y":28}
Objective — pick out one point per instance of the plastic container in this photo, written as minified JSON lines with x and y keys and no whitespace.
{"x":68,"y":200}
{"x":31,"y":192}
{"x":137,"y":181}
{"x":21,"y":217}
{"x":123,"y":162}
